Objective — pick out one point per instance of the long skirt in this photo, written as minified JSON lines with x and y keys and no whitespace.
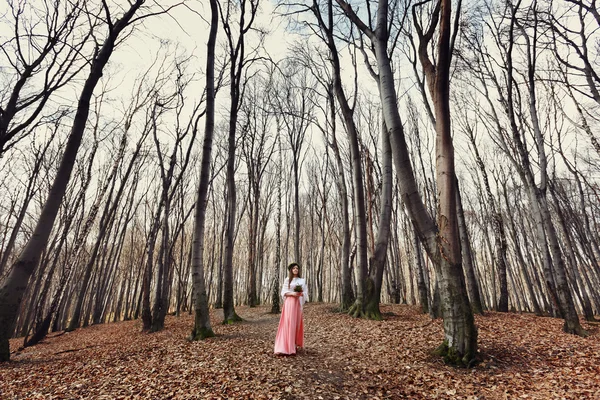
{"x":291,"y":329}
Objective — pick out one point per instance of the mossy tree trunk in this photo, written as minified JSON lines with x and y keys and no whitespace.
{"x":460,"y":344}
{"x":441,"y":241}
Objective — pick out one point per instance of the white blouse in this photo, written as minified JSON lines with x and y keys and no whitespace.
{"x":289,"y":288}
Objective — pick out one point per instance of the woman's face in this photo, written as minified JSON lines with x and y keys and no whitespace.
{"x":295,"y":270}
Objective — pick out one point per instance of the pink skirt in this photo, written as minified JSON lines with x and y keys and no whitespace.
{"x":291,"y":329}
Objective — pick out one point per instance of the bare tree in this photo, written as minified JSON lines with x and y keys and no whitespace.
{"x":441,"y":241}
{"x":12,"y":291}
{"x":202,"y":328}
{"x":8,"y":243}
{"x":556,"y":277}
{"x":499,"y":230}
{"x":367,"y":289}
{"x":44,"y":55}
{"x":240,"y":60}
{"x":275,"y":307}
{"x":110,"y":207}
{"x":318,"y":64}
{"x":257,"y":151}
{"x":171,"y":178}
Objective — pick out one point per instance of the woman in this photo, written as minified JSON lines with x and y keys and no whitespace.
{"x":290,"y":334}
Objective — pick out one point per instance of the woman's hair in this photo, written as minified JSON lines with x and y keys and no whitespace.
{"x":291,"y":274}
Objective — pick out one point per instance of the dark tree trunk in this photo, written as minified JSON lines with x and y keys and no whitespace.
{"x":11,"y":293}
{"x":202,"y":328}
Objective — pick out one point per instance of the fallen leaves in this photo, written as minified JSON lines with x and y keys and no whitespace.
{"x":521,"y":356}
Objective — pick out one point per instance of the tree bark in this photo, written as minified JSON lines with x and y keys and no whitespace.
{"x":202,"y":328}
{"x":460,"y":344}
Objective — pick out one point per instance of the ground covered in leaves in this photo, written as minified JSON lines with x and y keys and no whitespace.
{"x":522,"y":356}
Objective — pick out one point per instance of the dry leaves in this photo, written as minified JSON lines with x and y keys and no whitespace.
{"x":522,"y":356}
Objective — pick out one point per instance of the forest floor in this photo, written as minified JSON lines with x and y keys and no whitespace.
{"x":521,"y":356}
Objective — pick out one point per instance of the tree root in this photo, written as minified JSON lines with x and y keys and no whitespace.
{"x":356,"y":310}
{"x":232,"y":319}
{"x":453,"y":357}
{"x":372,"y":313}
{"x":578,"y":330}
{"x":201,"y":334}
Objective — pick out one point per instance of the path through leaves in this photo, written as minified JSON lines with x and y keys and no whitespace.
{"x":522,"y":356}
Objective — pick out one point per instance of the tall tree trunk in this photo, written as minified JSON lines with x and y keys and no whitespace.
{"x":459,"y":326}
{"x":238,"y":63}
{"x":378,"y":260}
{"x":229,"y":314}
{"x":202,"y":328}
{"x":441,"y":242}
{"x":219,"y":299}
{"x":551,"y":248}
{"x":11,"y":293}
{"x":358,"y":308}
{"x":149,"y":269}
{"x":469,"y":270}
{"x":161,"y":300}
{"x":275,"y":307}
{"x":347,"y":293}
{"x":253,"y":214}
{"x":499,"y":231}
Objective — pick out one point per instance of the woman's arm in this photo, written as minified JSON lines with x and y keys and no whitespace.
{"x":286,"y":290}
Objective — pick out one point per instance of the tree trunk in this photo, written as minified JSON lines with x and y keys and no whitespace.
{"x":555,"y":274}
{"x":377,"y":261}
{"x":202,"y":328}
{"x":275,"y":307}
{"x":229,"y":314}
{"x":420,"y":269}
{"x":347,"y":294}
{"x":161,"y":299}
{"x":364,"y":286}
{"x":12,"y":291}
{"x":469,"y":270}
{"x":441,"y":242}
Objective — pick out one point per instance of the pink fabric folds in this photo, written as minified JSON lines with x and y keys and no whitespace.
{"x":291,"y":329}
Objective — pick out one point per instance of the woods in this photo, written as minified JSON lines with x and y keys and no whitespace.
{"x":164,"y":159}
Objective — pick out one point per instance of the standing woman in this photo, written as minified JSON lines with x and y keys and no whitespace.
{"x":290,"y":334}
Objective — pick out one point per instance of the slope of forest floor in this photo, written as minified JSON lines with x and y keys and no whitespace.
{"x":522,"y":356}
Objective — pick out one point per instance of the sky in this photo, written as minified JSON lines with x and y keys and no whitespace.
{"x":184,"y":32}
